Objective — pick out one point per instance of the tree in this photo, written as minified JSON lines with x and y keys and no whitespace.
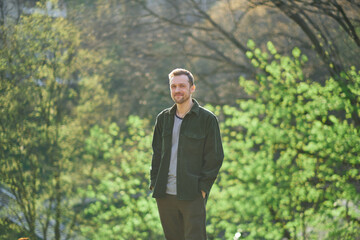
{"x":304,"y":14}
{"x":39,"y":68}
{"x":213,"y":37}
{"x":292,"y":168}
{"x":117,"y":203}
{"x":142,"y":41}
{"x":132,"y":50}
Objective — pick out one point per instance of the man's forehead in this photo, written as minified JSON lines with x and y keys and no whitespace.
{"x":179,"y":79}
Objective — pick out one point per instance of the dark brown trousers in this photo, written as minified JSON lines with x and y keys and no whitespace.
{"x":182,"y":220}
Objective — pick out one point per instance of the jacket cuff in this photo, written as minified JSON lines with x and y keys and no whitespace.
{"x":204,"y":187}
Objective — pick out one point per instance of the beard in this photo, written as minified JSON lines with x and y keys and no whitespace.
{"x":181,"y":100}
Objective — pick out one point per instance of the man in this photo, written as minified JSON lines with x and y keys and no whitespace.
{"x":187,"y":156}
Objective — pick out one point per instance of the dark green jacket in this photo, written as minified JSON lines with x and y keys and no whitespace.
{"x":200,"y":152}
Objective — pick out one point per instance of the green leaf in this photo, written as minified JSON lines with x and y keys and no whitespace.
{"x":296,"y":52}
{"x":249,"y":54}
{"x":271,"y":48}
{"x":251,"y":44}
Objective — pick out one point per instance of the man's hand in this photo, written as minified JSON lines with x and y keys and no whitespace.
{"x":203,"y":194}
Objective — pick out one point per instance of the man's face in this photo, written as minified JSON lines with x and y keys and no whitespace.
{"x":180,"y":89}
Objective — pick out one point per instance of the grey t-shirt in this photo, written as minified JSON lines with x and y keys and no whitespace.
{"x":171,"y":185}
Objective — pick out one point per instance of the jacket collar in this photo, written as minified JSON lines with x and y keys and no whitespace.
{"x":195,"y":108}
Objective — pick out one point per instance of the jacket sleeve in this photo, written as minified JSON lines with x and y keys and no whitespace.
{"x":213,"y":156}
{"x":156,"y":156}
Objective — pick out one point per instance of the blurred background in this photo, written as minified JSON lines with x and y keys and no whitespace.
{"x":81,"y":82}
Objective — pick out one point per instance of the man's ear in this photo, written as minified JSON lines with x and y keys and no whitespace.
{"x":192,"y":88}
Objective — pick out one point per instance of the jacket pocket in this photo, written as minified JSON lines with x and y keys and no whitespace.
{"x":194,"y":143}
{"x":193,"y":147}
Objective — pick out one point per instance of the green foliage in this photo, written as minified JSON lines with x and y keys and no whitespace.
{"x":10,"y":230}
{"x":38,"y":66}
{"x":120,"y":203}
{"x":292,"y":165}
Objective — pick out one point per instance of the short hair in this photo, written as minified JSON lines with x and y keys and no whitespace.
{"x":181,"y":71}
